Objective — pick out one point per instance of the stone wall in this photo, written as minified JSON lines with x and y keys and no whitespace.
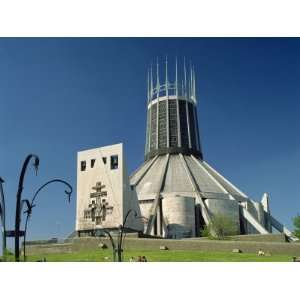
{"x":88,"y":243}
{"x":39,"y":249}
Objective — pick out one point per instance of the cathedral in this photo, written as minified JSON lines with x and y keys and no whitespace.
{"x":175,"y":192}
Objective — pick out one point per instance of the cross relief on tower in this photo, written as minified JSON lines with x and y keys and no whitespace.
{"x":98,"y":207}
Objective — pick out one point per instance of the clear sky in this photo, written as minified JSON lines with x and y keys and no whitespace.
{"x":60,"y":96}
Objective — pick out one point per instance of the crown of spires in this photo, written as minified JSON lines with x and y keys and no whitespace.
{"x":186,"y":89}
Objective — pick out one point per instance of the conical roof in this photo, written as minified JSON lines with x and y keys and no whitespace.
{"x":182,"y":174}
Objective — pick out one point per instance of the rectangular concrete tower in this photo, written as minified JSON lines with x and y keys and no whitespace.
{"x":104,"y":195}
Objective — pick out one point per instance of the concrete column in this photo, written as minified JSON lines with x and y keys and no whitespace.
{"x":188,"y":123}
{"x":158,"y":223}
{"x":178,"y":124}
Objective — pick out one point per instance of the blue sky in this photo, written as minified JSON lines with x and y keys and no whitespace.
{"x":60,"y":96}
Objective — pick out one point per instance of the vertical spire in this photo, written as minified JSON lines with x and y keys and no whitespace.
{"x":191,"y":82}
{"x":151,"y":82}
{"x":176,"y":78}
{"x":194,"y":84}
{"x":184,"y":70}
{"x":157,"y":76}
{"x":148,"y":91}
{"x":166,"y":83}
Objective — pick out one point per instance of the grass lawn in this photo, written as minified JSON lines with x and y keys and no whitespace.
{"x":159,"y":256}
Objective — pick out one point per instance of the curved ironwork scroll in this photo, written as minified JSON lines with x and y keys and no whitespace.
{"x":31,"y":205}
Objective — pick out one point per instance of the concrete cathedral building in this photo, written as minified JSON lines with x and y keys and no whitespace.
{"x":175,"y":190}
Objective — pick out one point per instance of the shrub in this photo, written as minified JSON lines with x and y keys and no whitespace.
{"x":205,"y":232}
{"x":296,"y":222}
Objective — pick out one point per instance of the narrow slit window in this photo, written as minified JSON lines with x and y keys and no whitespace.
{"x":83,"y":165}
{"x":93,"y":162}
{"x":114,"y":162}
{"x":104,"y":160}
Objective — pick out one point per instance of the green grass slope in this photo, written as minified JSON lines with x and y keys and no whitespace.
{"x":159,"y":256}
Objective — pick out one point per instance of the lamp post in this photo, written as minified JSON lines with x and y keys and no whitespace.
{"x":113,"y":245}
{"x":31,"y":205}
{"x":2,"y":217}
{"x":118,"y":249}
{"x":19,"y":203}
{"x":17,"y":233}
{"x":121,"y":233}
